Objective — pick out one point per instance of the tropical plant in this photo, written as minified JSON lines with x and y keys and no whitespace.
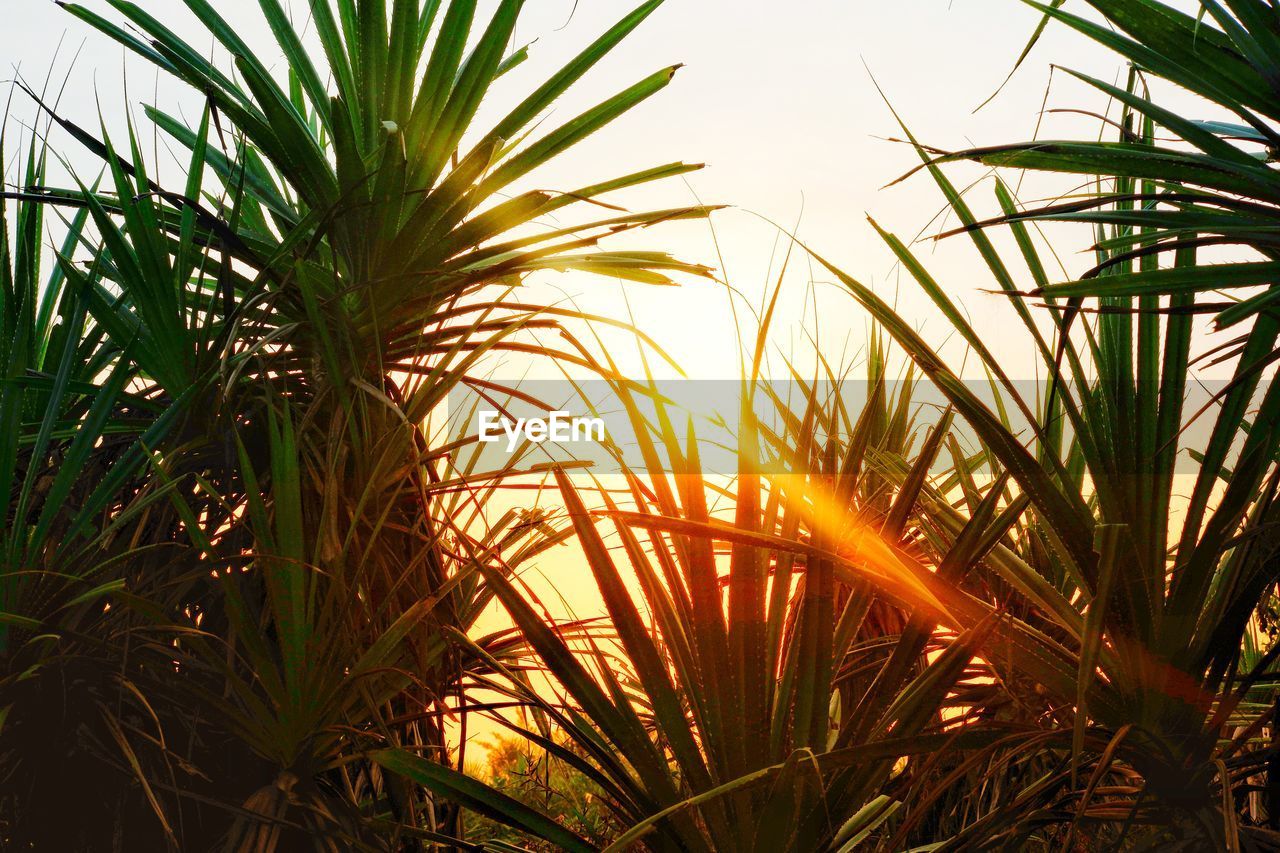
{"x":1170,"y":705}
{"x":529,"y":774}
{"x":1200,"y":183}
{"x":792,"y":664}
{"x":239,"y":380}
{"x":243,"y":564}
{"x":73,"y":439}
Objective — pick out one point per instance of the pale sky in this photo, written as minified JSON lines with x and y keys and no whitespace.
{"x":778,"y":100}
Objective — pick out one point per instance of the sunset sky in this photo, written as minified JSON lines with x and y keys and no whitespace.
{"x":782,"y":108}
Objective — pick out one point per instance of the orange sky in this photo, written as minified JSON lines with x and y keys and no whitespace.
{"x":779,"y":100}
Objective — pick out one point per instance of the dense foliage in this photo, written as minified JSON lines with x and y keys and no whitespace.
{"x":241,"y":573}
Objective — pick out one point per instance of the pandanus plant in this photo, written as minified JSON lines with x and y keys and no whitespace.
{"x":342,"y":255}
{"x":1151,"y":594}
{"x":1206,"y":181}
{"x":73,"y":719}
{"x":776,"y":677}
